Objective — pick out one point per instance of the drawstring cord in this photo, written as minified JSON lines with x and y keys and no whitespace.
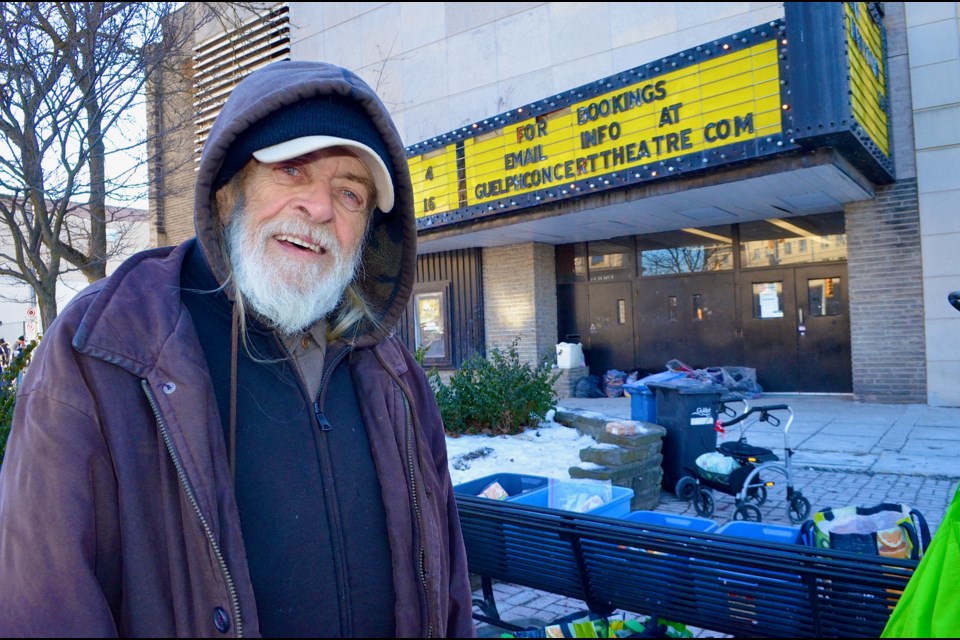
{"x":232,"y":445}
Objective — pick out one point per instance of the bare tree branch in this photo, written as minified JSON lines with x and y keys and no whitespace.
{"x":72,"y":74}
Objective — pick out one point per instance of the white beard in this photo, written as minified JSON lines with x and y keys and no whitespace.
{"x":292,"y":294}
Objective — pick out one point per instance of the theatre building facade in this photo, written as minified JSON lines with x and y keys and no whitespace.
{"x":768,"y":185}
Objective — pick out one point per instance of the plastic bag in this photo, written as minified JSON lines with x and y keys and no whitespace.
{"x":494,"y":491}
{"x":578,"y":495}
{"x":741,"y":379}
{"x":717,"y":463}
{"x":613,"y":383}
{"x":588,"y":387}
{"x":580,"y":625}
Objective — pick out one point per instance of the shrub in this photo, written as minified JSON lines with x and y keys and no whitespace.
{"x":498,"y":395}
{"x":8,"y":394}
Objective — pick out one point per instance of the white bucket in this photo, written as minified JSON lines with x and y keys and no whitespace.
{"x":569,"y":355}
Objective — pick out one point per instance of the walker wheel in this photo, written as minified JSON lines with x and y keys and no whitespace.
{"x":686,"y":487}
{"x":747,"y":512}
{"x":703,"y":502}
{"x":798,"y":509}
{"x":757,"y":495}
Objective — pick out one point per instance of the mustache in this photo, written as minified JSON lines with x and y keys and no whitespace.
{"x":317,"y":235}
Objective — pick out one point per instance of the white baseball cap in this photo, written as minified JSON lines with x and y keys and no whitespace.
{"x":308,"y":144}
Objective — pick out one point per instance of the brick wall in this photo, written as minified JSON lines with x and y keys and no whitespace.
{"x":520,"y":299}
{"x":566,"y":384}
{"x":886,"y":296}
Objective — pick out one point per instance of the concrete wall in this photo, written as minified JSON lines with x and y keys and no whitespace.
{"x":933,"y":34}
{"x":441,"y":65}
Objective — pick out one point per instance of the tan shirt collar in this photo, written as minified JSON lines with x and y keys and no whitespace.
{"x":308,"y":350}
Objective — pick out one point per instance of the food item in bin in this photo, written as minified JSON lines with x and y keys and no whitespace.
{"x":494,"y":491}
{"x":623,"y":427}
{"x":589,"y":504}
{"x":581,"y":502}
{"x":891,"y":544}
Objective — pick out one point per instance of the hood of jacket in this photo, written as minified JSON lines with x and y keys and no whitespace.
{"x":388,"y":262}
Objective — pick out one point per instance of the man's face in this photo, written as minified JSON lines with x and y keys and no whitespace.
{"x":294,"y":235}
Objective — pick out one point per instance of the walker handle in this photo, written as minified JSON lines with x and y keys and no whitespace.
{"x":760,"y":409}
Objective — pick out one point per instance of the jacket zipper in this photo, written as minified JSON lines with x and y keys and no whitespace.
{"x":326,"y":473}
{"x":191,"y":496}
{"x":408,"y":420}
{"x":410,"y":424}
{"x":325,"y":424}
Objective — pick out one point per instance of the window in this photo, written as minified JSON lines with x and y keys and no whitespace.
{"x":610,"y":259}
{"x":686,"y":251}
{"x":768,"y":243}
{"x":767,"y":300}
{"x":431,"y":335}
{"x":698,"y":309}
{"x":823,"y":295}
{"x":223,"y":60}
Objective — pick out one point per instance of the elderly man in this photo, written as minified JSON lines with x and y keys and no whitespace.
{"x":225,"y":438}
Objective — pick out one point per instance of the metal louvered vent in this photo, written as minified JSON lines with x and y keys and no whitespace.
{"x":224,"y":60}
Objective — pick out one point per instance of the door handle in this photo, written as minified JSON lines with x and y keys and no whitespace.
{"x":801,"y":329}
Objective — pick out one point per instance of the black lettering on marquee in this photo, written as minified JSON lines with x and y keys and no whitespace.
{"x":723,"y":129}
{"x":531,"y":132}
{"x":671,"y":114}
{"x":524,"y":157}
{"x":622,"y":102}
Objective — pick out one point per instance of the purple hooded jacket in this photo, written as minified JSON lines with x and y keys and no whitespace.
{"x":117,"y":509}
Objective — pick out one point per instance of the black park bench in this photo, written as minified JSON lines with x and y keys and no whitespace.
{"x":731,"y":585}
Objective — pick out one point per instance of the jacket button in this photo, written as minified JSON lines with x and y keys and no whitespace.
{"x":169,"y":387}
{"x":221,"y":620}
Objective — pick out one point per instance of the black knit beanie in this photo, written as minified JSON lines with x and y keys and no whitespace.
{"x":320,"y":116}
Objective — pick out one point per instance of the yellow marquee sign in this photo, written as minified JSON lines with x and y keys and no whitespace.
{"x":752,"y":94}
{"x":727,"y":99}
{"x":435,"y":183}
{"x":867,"y":73}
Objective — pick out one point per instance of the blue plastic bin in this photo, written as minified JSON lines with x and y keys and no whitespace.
{"x":761,"y":531}
{"x":514,"y":484}
{"x":617,"y":507}
{"x":643,"y":406}
{"x":703,"y":525}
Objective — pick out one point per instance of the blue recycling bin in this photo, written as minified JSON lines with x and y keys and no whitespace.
{"x":514,"y":484}
{"x":690,"y":523}
{"x":556,"y":492}
{"x":761,"y":531}
{"x":643,"y":406}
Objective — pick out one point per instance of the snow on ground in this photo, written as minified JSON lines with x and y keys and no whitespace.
{"x":549,"y":451}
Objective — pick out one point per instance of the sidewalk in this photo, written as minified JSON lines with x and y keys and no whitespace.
{"x":834,"y":433}
{"x":846,"y":453}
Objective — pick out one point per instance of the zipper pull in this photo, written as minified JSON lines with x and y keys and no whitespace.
{"x":322,"y":419}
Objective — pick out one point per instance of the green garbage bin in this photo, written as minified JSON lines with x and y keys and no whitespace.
{"x":687,"y":409}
